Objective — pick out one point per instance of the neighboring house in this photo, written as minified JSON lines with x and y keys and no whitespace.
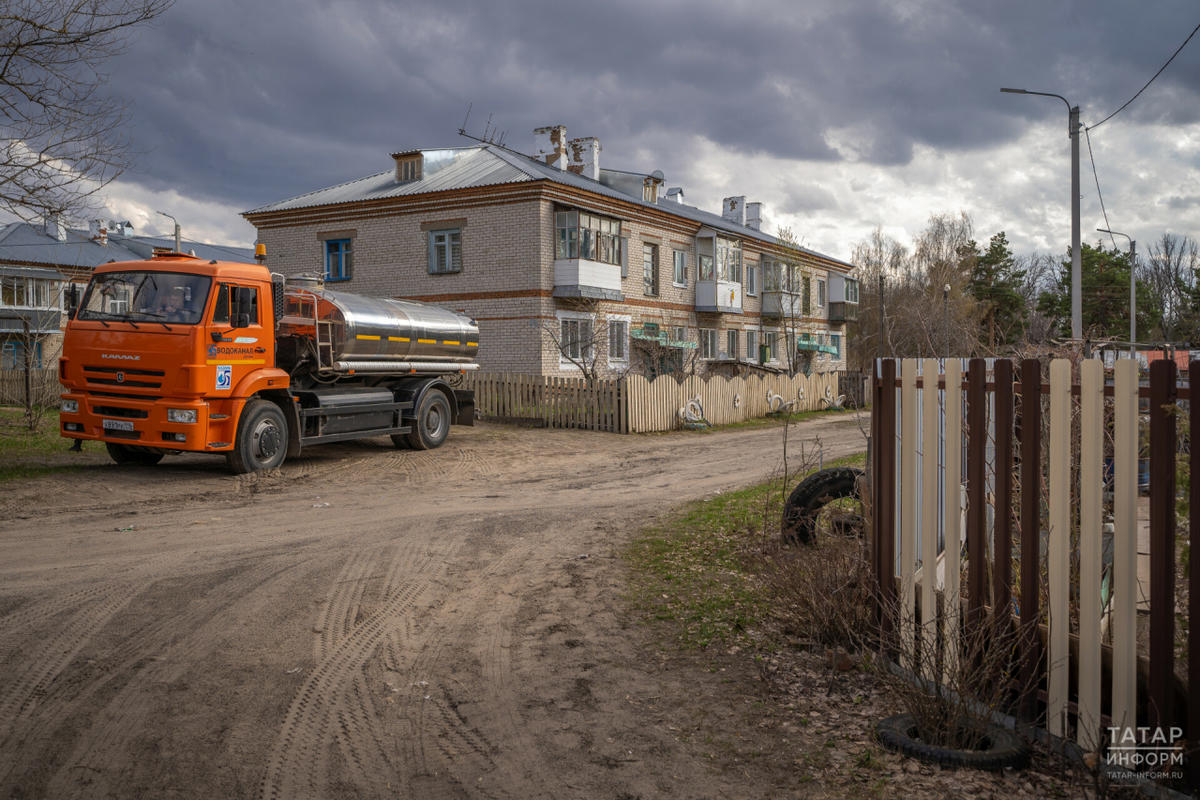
{"x":559,"y":260}
{"x":38,"y":261}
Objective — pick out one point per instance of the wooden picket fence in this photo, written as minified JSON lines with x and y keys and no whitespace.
{"x":633,"y":404}
{"x":44,"y":386}
{"x":1035,"y":508}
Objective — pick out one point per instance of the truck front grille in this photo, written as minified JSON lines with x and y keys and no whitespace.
{"x":116,"y":411}
{"x":119,"y":376}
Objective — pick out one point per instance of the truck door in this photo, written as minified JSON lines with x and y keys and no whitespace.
{"x":243,"y":345}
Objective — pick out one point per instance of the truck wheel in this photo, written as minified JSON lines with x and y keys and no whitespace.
{"x":125,"y":454}
{"x":432,"y":424}
{"x":262,"y":438}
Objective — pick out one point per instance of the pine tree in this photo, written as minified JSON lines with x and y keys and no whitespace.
{"x":1104,"y":297}
{"x":996,"y":284}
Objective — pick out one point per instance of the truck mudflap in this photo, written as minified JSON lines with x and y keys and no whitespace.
{"x":464,"y":400}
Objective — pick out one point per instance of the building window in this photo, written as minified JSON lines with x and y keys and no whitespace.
{"x":575,"y":342}
{"x":731,"y":343}
{"x":729,"y":260}
{"x":752,"y":345}
{"x":751,"y":280}
{"x":12,"y":356}
{"x":851,"y":290}
{"x":578,"y":234}
{"x":835,"y":339}
{"x":805,"y":295}
{"x":820,"y":294}
{"x":708,"y":343}
{"x":445,"y":251}
{"x":618,"y":339}
{"x":771,"y":340}
{"x":339,"y":259}
{"x":705,"y":268}
{"x":679,"y":334}
{"x":680,"y":259}
{"x":650,"y":269}
{"x":18,"y":292}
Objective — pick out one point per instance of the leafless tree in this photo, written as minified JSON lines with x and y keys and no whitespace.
{"x":1170,"y":273}
{"x":62,"y":135}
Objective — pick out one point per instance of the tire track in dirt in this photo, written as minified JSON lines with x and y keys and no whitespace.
{"x":327,"y":707}
{"x":159,"y":658}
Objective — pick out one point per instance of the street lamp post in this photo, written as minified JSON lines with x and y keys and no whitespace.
{"x":1076,"y":268}
{"x":178,"y":244}
{"x":946,"y":316}
{"x":1132,"y":288}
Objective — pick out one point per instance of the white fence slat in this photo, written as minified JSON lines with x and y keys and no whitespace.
{"x":1059,"y":442}
{"x":952,"y":513}
{"x":1123,"y":599}
{"x":929,"y":501}
{"x":908,"y":509}
{"x":1091,"y":481}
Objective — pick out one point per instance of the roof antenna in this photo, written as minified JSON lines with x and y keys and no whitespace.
{"x":463,"y":129}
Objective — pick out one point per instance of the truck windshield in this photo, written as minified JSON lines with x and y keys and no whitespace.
{"x":145,"y":296}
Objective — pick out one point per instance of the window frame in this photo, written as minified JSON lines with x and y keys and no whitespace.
{"x":621,"y":322}
{"x":709,"y":343}
{"x":752,"y":345}
{"x":585,"y":339}
{"x":452,"y":237}
{"x":345,"y":256}
{"x":731,"y":342}
{"x":650,"y":271}
{"x":820,"y":293}
{"x":751,"y":284}
{"x":679,"y":268}
{"x":584,"y":235}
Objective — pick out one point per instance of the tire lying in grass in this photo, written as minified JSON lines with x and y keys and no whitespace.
{"x":804,"y":504}
{"x":1000,"y":748}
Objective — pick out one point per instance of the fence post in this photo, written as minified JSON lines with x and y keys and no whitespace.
{"x":1058,"y":662}
{"x":952,"y":516}
{"x":1162,"y":541}
{"x":1193,"y":720}
{"x":976,"y":511}
{"x":1091,"y":481}
{"x":1125,"y":534}
{"x":1031,"y":527}
{"x":1002,"y":532}
{"x":885,"y":489}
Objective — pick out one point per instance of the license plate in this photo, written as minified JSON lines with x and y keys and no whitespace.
{"x":117,"y":425}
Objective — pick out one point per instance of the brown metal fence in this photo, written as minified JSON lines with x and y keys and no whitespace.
{"x":1034,"y":499}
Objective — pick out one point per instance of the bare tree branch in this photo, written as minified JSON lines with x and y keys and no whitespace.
{"x":62,"y":135}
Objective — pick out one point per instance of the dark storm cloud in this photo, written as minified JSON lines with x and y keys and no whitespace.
{"x":247,"y":103}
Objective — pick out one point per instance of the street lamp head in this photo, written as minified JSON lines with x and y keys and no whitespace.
{"x":1014,"y":91}
{"x":946,"y":290}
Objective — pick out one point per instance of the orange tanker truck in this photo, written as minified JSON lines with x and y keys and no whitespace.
{"x":178,"y":354}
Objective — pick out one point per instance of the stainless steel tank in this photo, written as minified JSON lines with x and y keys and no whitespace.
{"x":375,"y":334}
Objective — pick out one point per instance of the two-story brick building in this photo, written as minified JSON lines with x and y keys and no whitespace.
{"x":560,"y":261}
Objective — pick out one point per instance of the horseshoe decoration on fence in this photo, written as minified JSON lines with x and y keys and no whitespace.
{"x":737,"y":400}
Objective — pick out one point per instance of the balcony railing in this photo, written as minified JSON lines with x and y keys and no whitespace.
{"x":580,"y":277}
{"x":843,"y":312}
{"x":724,"y":297}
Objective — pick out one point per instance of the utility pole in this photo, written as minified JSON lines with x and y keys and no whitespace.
{"x":881,"y":314}
{"x":1132,"y":289}
{"x":1076,"y":264}
{"x":178,"y":243}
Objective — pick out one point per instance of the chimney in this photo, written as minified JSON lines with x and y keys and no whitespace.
{"x":121,"y":229}
{"x":754,"y":216}
{"x":550,"y":146}
{"x":675,"y":193}
{"x":585,"y":157}
{"x":734,"y":209}
{"x":650,"y":186}
{"x":55,"y":227}
{"x":98,"y":231}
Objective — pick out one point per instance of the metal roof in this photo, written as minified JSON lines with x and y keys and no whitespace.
{"x":463,"y":168}
{"x":489,"y":165}
{"x":29,"y":244}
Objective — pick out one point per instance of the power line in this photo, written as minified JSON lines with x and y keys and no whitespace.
{"x":1160,"y":71}
{"x":1099,"y":194}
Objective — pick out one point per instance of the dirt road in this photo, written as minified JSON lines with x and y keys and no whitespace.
{"x":365,"y":622}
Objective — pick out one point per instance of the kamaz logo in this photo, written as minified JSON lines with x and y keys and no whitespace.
{"x":121,"y":356}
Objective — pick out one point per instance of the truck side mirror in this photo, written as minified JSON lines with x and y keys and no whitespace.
{"x":241,"y":303}
{"x":72,"y":300}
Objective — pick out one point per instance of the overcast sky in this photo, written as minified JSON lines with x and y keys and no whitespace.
{"x":839,"y":115}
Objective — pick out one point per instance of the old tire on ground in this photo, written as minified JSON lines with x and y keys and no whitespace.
{"x":807,"y":499}
{"x":262,"y":438}
{"x":432,"y":423}
{"x":127,"y":454}
{"x":1001,"y":747}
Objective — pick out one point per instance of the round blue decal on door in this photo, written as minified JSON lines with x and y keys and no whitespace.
{"x":224,"y":377}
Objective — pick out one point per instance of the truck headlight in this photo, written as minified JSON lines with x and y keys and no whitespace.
{"x":70,"y":406}
{"x":181,"y":415}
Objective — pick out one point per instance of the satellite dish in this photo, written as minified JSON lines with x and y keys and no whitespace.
{"x":658,"y":175}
